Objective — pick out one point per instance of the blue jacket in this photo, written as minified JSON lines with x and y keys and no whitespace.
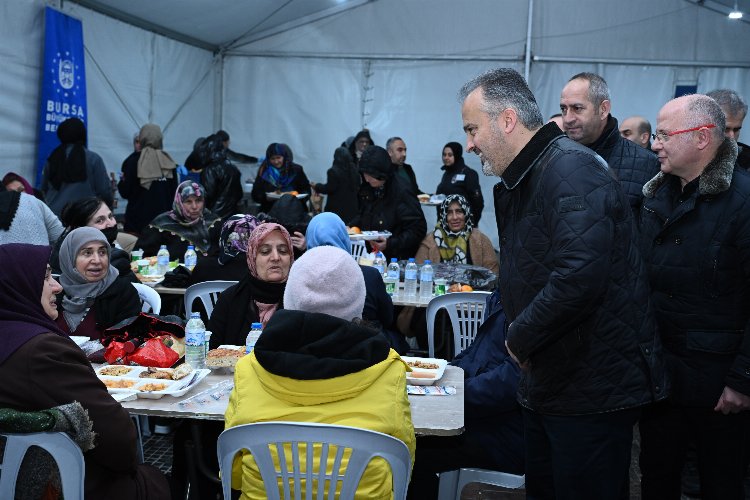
{"x":493,"y":417}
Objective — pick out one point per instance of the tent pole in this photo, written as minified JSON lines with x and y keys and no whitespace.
{"x":640,"y":62}
{"x":219,"y":91}
{"x":527,"y":56}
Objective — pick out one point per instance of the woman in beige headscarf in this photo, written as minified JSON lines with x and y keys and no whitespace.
{"x":149,"y":180}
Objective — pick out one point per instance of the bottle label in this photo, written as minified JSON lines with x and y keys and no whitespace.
{"x":393,"y":273}
{"x":410,"y":274}
{"x":195,"y":338}
{"x":162,"y":260}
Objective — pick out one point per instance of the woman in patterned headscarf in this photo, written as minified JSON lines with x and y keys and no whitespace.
{"x":456,"y":240}
{"x":261,"y":291}
{"x":278,"y":174}
{"x":188,"y":223}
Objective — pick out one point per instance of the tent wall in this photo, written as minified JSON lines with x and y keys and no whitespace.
{"x":133,"y":77}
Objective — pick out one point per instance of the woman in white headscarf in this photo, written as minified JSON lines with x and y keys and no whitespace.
{"x":95,"y":296}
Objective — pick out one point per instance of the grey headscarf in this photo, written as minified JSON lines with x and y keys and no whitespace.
{"x":80,"y":294}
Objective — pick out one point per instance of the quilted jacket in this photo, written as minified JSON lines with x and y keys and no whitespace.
{"x":698,"y":252}
{"x":633,"y":165}
{"x":573,"y":283}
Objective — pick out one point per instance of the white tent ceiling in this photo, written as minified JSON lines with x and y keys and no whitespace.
{"x":312,"y":72}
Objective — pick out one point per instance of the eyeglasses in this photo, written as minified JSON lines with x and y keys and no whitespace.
{"x":664,"y":136}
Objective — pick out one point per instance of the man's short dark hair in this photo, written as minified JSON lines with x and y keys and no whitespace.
{"x":392,"y":140}
{"x":644,"y":127}
{"x":598,"y":88}
{"x":730,"y":100}
{"x":505,"y":88}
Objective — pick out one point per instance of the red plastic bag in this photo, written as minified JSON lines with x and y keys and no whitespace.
{"x":153,"y":352}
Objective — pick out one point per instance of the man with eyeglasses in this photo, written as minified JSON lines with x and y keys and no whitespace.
{"x":695,"y":234}
{"x":735,"y":109}
{"x":585,"y":107}
{"x":574,"y":291}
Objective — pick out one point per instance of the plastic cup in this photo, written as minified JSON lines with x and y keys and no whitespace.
{"x":143,"y":266}
{"x":391,"y":285}
{"x":136,"y":255}
{"x":208,"y":339}
{"x":173,"y":264}
{"x":440,"y":287}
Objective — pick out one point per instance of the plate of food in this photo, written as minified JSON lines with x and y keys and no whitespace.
{"x":273,"y":195}
{"x":369,"y":235}
{"x":225,"y":357}
{"x":150,"y":383}
{"x":425,"y":371}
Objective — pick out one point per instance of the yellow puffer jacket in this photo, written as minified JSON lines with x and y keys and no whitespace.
{"x":374,"y":398}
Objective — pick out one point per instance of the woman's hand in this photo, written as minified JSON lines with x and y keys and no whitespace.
{"x":298,"y":241}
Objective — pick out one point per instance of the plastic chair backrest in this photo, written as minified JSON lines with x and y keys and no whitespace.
{"x":453,"y":482}
{"x":358,"y":249}
{"x":64,"y":450}
{"x":151,"y":299}
{"x":364,"y":444}
{"x":466,"y":312}
{"x":208,"y":292}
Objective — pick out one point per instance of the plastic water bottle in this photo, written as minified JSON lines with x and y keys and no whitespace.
{"x":425,"y":281}
{"x":195,"y":342}
{"x":252,"y":337}
{"x":162,"y":260}
{"x":410,"y":280}
{"x":191,"y":258}
{"x":379,"y":263}
{"x":394,"y":271}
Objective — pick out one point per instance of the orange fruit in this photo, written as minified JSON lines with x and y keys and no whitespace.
{"x":293,"y":193}
{"x":355,"y":230}
{"x":466,"y":288}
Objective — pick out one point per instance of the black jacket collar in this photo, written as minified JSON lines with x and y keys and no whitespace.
{"x":526,"y":158}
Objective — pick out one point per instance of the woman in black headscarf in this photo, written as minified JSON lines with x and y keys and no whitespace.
{"x":41,"y":368}
{"x":460,"y":179}
{"x":72,"y":171}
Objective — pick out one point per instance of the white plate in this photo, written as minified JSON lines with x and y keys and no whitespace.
{"x":121,"y":397}
{"x":438,"y":372}
{"x":79,"y":340}
{"x":370,"y":235}
{"x":175,"y":388}
{"x":275,"y":196}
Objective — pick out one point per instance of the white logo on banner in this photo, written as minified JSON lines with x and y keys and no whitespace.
{"x":67,"y":83}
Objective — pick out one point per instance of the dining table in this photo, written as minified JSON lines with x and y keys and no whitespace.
{"x":432,"y":415}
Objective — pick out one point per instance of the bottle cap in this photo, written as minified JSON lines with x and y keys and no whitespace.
{"x":191,"y":247}
{"x":195,"y":315}
{"x":428,"y":261}
{"x":411,"y":259}
{"x":256,"y":326}
{"x":394,"y":259}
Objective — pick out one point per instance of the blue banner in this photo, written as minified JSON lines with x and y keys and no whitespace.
{"x":63,"y":80}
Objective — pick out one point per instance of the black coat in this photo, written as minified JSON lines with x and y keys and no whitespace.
{"x":468,"y":187}
{"x":261,"y":186}
{"x":698,"y":253}
{"x":633,"y":165}
{"x":400,"y":170}
{"x":223,"y":184}
{"x":233,"y":315}
{"x":342,"y":185}
{"x":573,"y":284}
{"x":143,"y":204}
{"x":397,"y":211}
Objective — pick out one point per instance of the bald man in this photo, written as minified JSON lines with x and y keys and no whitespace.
{"x":695,"y":234}
{"x":636,"y":129}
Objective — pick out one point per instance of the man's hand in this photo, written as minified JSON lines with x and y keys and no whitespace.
{"x":524,"y":366}
{"x":380,"y":242}
{"x":732,"y":401}
{"x":298,"y":241}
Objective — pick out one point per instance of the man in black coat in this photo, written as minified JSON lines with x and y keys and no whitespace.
{"x":574,"y":290}
{"x":396,"y":148}
{"x":735,"y":110}
{"x":585,"y":107}
{"x":387,"y":203}
{"x":695,"y":232}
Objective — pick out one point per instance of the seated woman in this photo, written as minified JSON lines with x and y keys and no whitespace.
{"x":328,"y":229}
{"x":278,"y":173}
{"x":93,"y":212}
{"x":454,"y":240}
{"x":316,"y":362}
{"x":260,"y":292}
{"x":231,"y":263}
{"x":188,"y":223}
{"x":42,"y":368}
{"x":95,"y":295}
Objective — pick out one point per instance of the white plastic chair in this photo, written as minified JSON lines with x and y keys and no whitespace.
{"x":453,"y":482}
{"x":64,"y":450}
{"x":208,"y":292}
{"x":358,"y":249}
{"x":150,"y":297}
{"x":466,"y":312}
{"x":364,"y":444}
